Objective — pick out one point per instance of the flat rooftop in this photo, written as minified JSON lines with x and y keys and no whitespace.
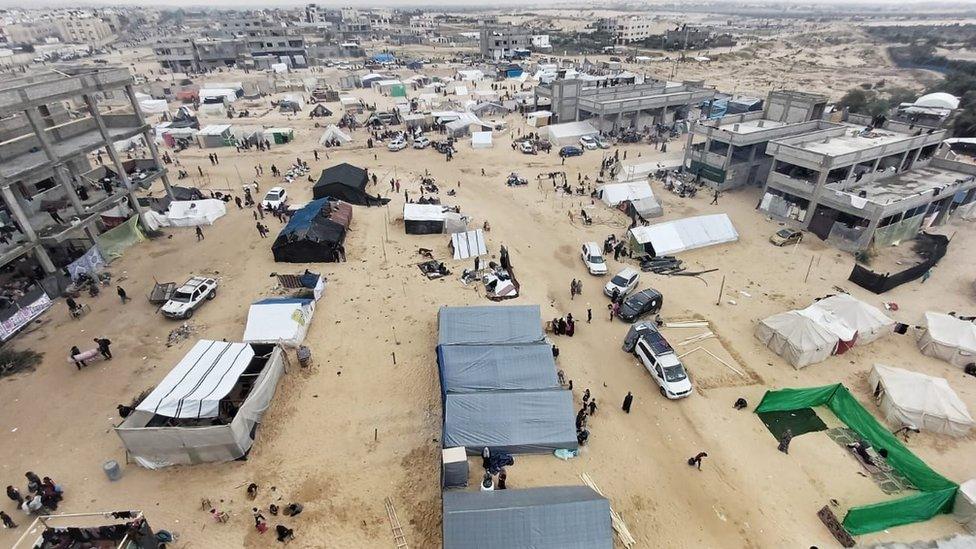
{"x":850,"y":142}
{"x":915,"y":182}
{"x":751,"y":126}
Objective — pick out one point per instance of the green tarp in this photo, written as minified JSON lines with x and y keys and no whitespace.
{"x":937,"y":492}
{"x":113,"y":242}
{"x":799,"y":422}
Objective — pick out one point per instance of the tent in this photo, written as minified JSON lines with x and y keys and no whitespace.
{"x":476,"y":368}
{"x":868,"y":321}
{"x":279,"y":136}
{"x":646,"y":207}
{"x":320,"y":111}
{"x":517,"y":422}
{"x":468,"y":244}
{"x":281,"y":320}
{"x":552,"y":517}
{"x":345,"y":182}
{"x":192,"y":213}
{"x":568,"y":133}
{"x":797,"y":337}
{"x":220,"y":96}
{"x":207,"y":408}
{"x":314,"y":233}
{"x":538,"y":119}
{"x":613,"y":194}
{"x":964,"y":511}
{"x":470,"y":75}
{"x":490,"y":325}
{"x":481,"y":140}
{"x":216,"y":135}
{"x":916,"y":400}
{"x":423,"y":218}
{"x":333,"y":133}
{"x":153,"y":106}
{"x":681,"y":235}
{"x":948,"y":338}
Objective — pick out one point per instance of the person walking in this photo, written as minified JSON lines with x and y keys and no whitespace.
{"x":589,"y":313}
{"x":586,"y":397}
{"x":714,"y":199}
{"x":14,"y":494}
{"x":104,"y":347}
{"x":572,"y":289}
{"x":784,"y":441}
{"x":628,"y":400}
{"x":200,"y":169}
{"x":260,"y":229}
{"x":696,"y":461}
{"x":122,"y":295}
{"x":7,"y":521}
{"x":75,"y":351}
{"x":199,"y":233}
{"x":592,"y":407}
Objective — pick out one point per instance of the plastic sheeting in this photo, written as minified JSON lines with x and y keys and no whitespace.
{"x":798,"y":338}
{"x":490,"y":325}
{"x":948,"y":338}
{"x":279,"y":320}
{"x":937,"y":492}
{"x":964,"y":511}
{"x":473,"y":368}
{"x":333,"y":133}
{"x":568,"y":133}
{"x":615,"y":193}
{"x":671,"y":237}
{"x":868,"y":321}
{"x":481,"y":140}
{"x":113,"y":242}
{"x":517,"y":422}
{"x":468,"y":244}
{"x":192,"y":213}
{"x":555,"y":517}
{"x":914,"y":399}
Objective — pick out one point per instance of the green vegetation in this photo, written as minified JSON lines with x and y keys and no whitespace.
{"x":12,"y":361}
{"x":581,"y":43}
{"x":869,"y":99}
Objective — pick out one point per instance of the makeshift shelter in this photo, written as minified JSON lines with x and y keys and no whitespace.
{"x":868,"y":321}
{"x":115,"y":240}
{"x":553,"y":517}
{"x":221,"y":96}
{"x":681,"y":235}
{"x":314,"y":233}
{"x":912,"y":399}
{"x":468,"y":244}
{"x":481,"y":140}
{"x":538,"y":119}
{"x":332,"y":134}
{"x":352,"y":105}
{"x":948,"y":338}
{"x":193,"y":213}
{"x":320,"y":111}
{"x":490,"y":325}
{"x":207,"y":408}
{"x":279,"y":136}
{"x":568,"y":133}
{"x":805,"y":336}
{"x":432,"y":219}
{"x":477,"y":368}
{"x":282,"y":320}
{"x":215,"y":135}
{"x":153,"y":106}
{"x":935,"y":493}
{"x":517,"y":422}
{"x":964,"y":511}
{"x":347,"y":183}
{"x":613,"y":194}
{"x":647,"y":208}
{"x":470,"y":75}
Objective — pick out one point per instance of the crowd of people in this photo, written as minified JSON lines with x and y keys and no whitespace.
{"x":43,"y":497}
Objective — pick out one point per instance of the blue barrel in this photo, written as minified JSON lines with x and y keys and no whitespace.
{"x":112,"y":469}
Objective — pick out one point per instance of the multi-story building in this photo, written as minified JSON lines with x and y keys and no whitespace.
{"x":692,"y":37}
{"x":621,"y":106}
{"x":212,"y":53}
{"x":352,"y":22}
{"x":733,"y":152}
{"x":177,"y":53}
{"x":627,"y":30}
{"x":247,"y":41}
{"x":85,"y":28}
{"x":30,"y":33}
{"x":540,"y":42}
{"x":501,"y":42}
{"x":315,"y":13}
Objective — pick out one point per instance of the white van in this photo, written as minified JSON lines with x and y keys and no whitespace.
{"x":593,"y":259}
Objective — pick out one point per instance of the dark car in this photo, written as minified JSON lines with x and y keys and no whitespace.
{"x":570,"y":151}
{"x":642,"y":303}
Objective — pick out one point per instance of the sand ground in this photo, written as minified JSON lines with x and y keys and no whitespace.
{"x":356,"y":428}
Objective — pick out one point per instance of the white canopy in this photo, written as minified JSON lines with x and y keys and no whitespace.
{"x":279,"y":67}
{"x":615,"y":193}
{"x":226,"y":95}
{"x":333,"y":133}
{"x":569,"y":132}
{"x":279,"y":320}
{"x":680,"y":235}
{"x":481,"y":140}
{"x":797,"y":337}
{"x":470,"y":75}
{"x":916,"y":400}
{"x":460,"y":90}
{"x":468,"y":244}
{"x":206,"y":374}
{"x":191,"y":213}
{"x":948,"y":338}
{"x":869,"y":322}
{"x":214,"y":129}
{"x":423,"y":212}
{"x":153,"y":106}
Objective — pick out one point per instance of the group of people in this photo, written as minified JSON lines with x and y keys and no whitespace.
{"x":586,"y":411}
{"x":104,"y":349}
{"x":575,"y":288}
{"x":43,"y":495}
{"x":564,"y":326}
{"x":615,"y":246}
{"x":494,"y":464}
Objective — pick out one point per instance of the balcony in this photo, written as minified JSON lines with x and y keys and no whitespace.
{"x":800,"y":187}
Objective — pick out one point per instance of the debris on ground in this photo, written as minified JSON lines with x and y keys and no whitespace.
{"x":180,"y":333}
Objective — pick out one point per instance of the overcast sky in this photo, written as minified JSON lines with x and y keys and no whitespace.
{"x":593,"y":4}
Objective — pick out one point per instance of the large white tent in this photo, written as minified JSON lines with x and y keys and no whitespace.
{"x":671,"y":237}
{"x":917,"y":400}
{"x":797,"y":337}
{"x":869,"y":322}
{"x":948,"y":338}
{"x":191,"y":213}
{"x":333,"y":133}
{"x":615,"y":193}
{"x":481,"y":140}
{"x":568,"y":133}
{"x":281,"y":320}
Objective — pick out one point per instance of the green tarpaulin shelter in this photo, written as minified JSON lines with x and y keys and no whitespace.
{"x":113,"y":242}
{"x":398,"y":90}
{"x":936,"y":493}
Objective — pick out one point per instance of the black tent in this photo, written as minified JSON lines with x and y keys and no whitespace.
{"x":310,"y":236}
{"x":347,"y":183}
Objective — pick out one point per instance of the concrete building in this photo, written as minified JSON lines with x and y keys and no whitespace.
{"x":52,"y":200}
{"x":315,"y":13}
{"x":692,"y":37}
{"x":352,"y":22}
{"x":30,"y":33}
{"x":627,"y":30}
{"x":501,"y":42}
{"x":856,"y":185}
{"x":177,"y":53}
{"x":84,"y":28}
{"x":540,"y":42}
{"x":733,"y":152}
{"x":617,"y":107}
{"x":212,"y":53}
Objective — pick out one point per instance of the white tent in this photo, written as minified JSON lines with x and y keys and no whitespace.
{"x":680,"y":235}
{"x":964,"y":510}
{"x":191,"y":213}
{"x":568,"y":133}
{"x":333,"y":133}
{"x":916,"y":400}
{"x":460,"y":90}
{"x":481,"y":140}
{"x":153,"y":106}
{"x":279,"y":68}
{"x":538,"y":119}
{"x":797,"y":337}
{"x":470,"y":75}
{"x":869,"y":322}
{"x":279,"y":320}
{"x":948,"y":338}
{"x":217,"y":95}
{"x":615,"y":193}
{"x":468,"y":244}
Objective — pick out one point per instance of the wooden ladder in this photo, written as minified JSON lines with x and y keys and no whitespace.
{"x":398,"y":538}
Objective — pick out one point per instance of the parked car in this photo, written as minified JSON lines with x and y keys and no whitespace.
{"x":588,"y":142}
{"x":397,"y":144}
{"x":642,"y":303}
{"x":543,"y":145}
{"x":570,"y":150}
{"x":189,"y":296}
{"x":623,"y":282}
{"x":602,"y":143}
{"x":660,"y":360}
{"x":527,"y":147}
{"x":275,"y":197}
{"x":421,"y":142}
{"x":785,"y":237}
{"x":593,"y":259}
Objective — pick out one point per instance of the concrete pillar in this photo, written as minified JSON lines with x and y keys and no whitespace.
{"x":14,"y":206}
{"x":728,"y":158}
{"x":69,"y":188}
{"x":918,"y":152}
{"x":116,"y":162}
{"x":150,"y":140}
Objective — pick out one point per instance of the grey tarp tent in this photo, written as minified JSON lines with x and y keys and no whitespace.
{"x":490,"y":325}
{"x":518,"y":422}
{"x":474,"y":368}
{"x":556,"y":517}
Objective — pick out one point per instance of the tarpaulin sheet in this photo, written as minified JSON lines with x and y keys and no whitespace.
{"x":555,"y":517}
{"x":671,"y":237}
{"x":517,"y":422}
{"x":279,"y":320}
{"x":113,"y":242}
{"x":490,"y":325}
{"x":15,"y":322}
{"x":90,"y":262}
{"x":473,"y":368}
{"x":937,"y":492}
{"x":468,"y":244}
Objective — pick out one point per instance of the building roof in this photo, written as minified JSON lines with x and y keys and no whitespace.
{"x":853,"y":139}
{"x":751,"y":126}
{"x":908,"y":184}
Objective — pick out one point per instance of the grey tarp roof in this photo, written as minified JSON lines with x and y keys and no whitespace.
{"x":518,"y":422}
{"x":490,"y":325}
{"x":473,"y":368}
{"x":556,"y":517}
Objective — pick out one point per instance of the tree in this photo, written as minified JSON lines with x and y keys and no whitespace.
{"x":855,"y":100}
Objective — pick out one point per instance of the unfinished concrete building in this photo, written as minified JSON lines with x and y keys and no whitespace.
{"x":856,"y":185}
{"x":733,"y":153}
{"x":51,"y":124}
{"x":614,"y":107}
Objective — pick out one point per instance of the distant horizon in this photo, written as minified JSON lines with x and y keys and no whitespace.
{"x":460,"y":5}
